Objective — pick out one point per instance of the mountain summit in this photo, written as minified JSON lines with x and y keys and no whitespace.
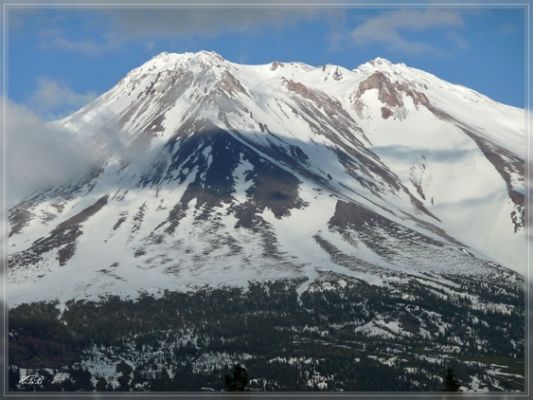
{"x":385,"y":179}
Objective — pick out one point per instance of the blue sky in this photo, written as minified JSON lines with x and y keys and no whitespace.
{"x":59,"y":59}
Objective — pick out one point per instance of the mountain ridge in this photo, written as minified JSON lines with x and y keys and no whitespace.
{"x":321,"y":129}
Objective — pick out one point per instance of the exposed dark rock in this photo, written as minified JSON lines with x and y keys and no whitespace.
{"x":272,"y":187}
{"x":391,"y":93}
{"x":123,"y":217}
{"x":374,"y":228}
{"x":63,"y":238}
{"x":19,"y":217}
{"x":275,"y":65}
{"x":337,"y":75}
{"x":387,"y":91}
{"x":386,"y":112}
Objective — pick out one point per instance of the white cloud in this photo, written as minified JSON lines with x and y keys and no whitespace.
{"x":54,"y":98}
{"x":142,"y":23}
{"x":390,"y":29}
{"x":39,"y":154}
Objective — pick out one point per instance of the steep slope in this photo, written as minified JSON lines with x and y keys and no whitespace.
{"x":383,"y":188}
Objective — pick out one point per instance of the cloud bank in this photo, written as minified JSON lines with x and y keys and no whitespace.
{"x":39,"y":154}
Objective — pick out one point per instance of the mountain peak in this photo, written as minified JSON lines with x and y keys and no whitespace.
{"x":204,"y":56}
{"x":166,"y":62}
{"x":380,"y":61}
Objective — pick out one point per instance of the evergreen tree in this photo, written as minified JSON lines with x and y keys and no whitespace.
{"x":124,"y":381}
{"x":101,"y":385}
{"x":450,"y":384}
{"x":138,"y":376}
{"x":14,"y":377}
{"x":161,"y":382}
{"x":238,"y":381}
{"x":125,"y":378}
{"x":81,"y":379}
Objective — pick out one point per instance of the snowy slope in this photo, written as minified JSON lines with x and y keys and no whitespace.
{"x":221,"y":174}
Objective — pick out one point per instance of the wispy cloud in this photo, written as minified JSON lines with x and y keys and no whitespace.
{"x":202,"y":21}
{"x":506,"y":29}
{"x":458,"y":40}
{"x":122,"y":26}
{"x":392,"y":29}
{"x":58,"y":39}
{"x":54,"y":98}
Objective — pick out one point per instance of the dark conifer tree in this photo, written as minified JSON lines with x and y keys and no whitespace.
{"x":124,"y":379}
{"x":238,"y":381}
{"x":81,"y":379}
{"x":450,"y":384}
{"x":14,"y":377}
{"x":162,"y":382}
{"x":101,"y":385}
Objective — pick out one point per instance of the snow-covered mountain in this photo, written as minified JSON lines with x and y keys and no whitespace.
{"x":322,"y":226}
{"x":228,"y":173}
